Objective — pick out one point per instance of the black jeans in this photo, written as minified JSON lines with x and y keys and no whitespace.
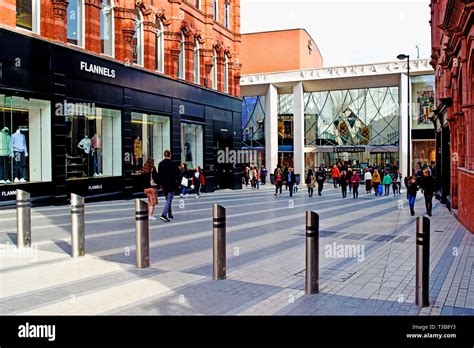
{"x":355,"y":191}
{"x":278,"y":186}
{"x":344,"y":191}
{"x":19,"y":165}
{"x":310,"y":191}
{"x":387,"y":189}
{"x":429,"y":202}
{"x":320,"y":186}
{"x":291,"y":189}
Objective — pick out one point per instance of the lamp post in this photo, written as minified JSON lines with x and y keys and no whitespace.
{"x":407,"y":57}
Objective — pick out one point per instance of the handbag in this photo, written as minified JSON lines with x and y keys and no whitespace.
{"x":184,"y":182}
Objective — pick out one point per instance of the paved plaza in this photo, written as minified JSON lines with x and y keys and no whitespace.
{"x":265,"y":259}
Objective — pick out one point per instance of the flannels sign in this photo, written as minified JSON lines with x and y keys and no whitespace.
{"x":97,"y":69}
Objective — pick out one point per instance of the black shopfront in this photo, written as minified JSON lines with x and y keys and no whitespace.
{"x":72,"y":122}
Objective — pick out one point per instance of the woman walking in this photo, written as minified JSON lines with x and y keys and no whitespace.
{"x":198,"y":181}
{"x":335,"y":175}
{"x":368,"y":181}
{"x":355,"y":181}
{"x":320,"y":178}
{"x":149,"y":179}
{"x":412,"y":188}
{"x":349,"y":176}
{"x":310,"y":181}
{"x":343,"y":183}
{"x":376,"y":181}
{"x":387,"y":181}
{"x":184,"y":179}
{"x":278,"y":181}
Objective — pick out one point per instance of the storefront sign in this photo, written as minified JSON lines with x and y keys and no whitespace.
{"x":8,"y":193}
{"x":95,"y":187}
{"x":97,"y":69}
{"x":351,"y":149}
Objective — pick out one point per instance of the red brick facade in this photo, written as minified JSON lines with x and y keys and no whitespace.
{"x":176,"y":16}
{"x":452,"y":34}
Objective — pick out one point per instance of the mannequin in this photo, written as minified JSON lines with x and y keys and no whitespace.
{"x":85,"y":145}
{"x":4,"y":155}
{"x":189,"y":156}
{"x":19,"y":152}
{"x":96,"y":146}
{"x":138,"y":152}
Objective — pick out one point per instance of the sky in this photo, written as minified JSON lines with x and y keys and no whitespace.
{"x":348,"y":32}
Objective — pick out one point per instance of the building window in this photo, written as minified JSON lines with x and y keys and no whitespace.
{"x":93,"y":142}
{"x":138,"y":39}
{"x":192,"y":145}
{"x":151,"y":137}
{"x":160,"y":48}
{"x":182,"y":59}
{"x":197,"y":63}
{"x":197,"y":4}
{"x":27,"y":15}
{"x":422,"y":101}
{"x":215,"y":9}
{"x":107,"y":28}
{"x":75,"y":22}
{"x":214,"y":70}
{"x":227,"y":15}
{"x":25,"y":140}
{"x":226,"y":74}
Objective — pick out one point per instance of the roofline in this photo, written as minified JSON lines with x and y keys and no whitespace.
{"x":276,"y":31}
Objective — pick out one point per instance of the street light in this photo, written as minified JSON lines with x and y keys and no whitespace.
{"x":407,"y":57}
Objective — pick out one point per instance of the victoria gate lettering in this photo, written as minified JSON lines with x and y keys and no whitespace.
{"x":97,"y":69}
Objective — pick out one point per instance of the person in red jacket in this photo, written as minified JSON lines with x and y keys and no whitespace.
{"x":198,"y":181}
{"x":355,"y":181}
{"x":336,"y":174}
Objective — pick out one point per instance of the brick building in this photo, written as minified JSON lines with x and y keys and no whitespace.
{"x":129,"y":79}
{"x":452,"y":34}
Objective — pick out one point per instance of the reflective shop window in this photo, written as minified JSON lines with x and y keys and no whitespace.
{"x":151,"y":137}
{"x":192,"y":146}
{"x":93,"y":142}
{"x":27,"y":14}
{"x":107,"y":28}
{"x":25,"y":140}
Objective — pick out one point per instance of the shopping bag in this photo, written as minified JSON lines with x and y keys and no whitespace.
{"x":184,"y":182}
{"x":380,"y":190}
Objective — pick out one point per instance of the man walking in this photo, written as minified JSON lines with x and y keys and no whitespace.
{"x":291,"y":180}
{"x":428,"y":186}
{"x":168,"y":174}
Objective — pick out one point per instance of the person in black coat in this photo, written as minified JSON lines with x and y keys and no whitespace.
{"x":168,"y":173}
{"x":320,"y":179}
{"x":428,"y":187}
{"x":343,"y":184}
{"x":291,"y":179}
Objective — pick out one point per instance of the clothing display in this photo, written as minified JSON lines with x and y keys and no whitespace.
{"x":96,"y":142}
{"x":18,"y":143}
{"x":189,"y":156}
{"x":85,"y":144}
{"x":96,"y":146}
{"x":137,"y":148}
{"x":19,"y":165}
{"x":5,"y":142}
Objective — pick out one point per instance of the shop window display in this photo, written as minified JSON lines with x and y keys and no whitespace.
{"x":25,"y":140}
{"x":151,"y":137}
{"x":192,"y":145}
{"x":423,"y":102}
{"x":93,"y":142}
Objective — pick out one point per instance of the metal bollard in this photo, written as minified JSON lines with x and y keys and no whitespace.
{"x":78,"y":235}
{"x":219,"y":231}
{"x":23,"y":219}
{"x":422,"y":261}
{"x":142,"y":234}
{"x":312,"y":253}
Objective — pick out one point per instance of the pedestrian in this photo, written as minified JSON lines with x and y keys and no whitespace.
{"x":395,"y":183}
{"x":336,"y":174}
{"x":376,"y":181}
{"x":198,"y":181}
{"x":263,"y":175}
{"x":256,"y":174}
{"x":291,"y":180}
{"x":428,"y":187}
{"x":343,"y":184}
{"x":387,"y":181}
{"x":252,"y":178}
{"x":355,"y":181}
{"x":310,"y":182}
{"x":320,"y":178}
{"x":149,"y":179}
{"x":368,"y":181}
{"x":399,"y":181}
{"x":412,"y":188}
{"x":278,"y":181}
{"x":184,"y":175}
{"x":168,"y":174}
{"x":246,"y":175}
{"x":285,"y":176}
{"x":349,"y":176}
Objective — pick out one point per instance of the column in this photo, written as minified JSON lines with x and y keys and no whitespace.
{"x":298,"y":129}
{"x":271,"y":128}
{"x":403,"y":127}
